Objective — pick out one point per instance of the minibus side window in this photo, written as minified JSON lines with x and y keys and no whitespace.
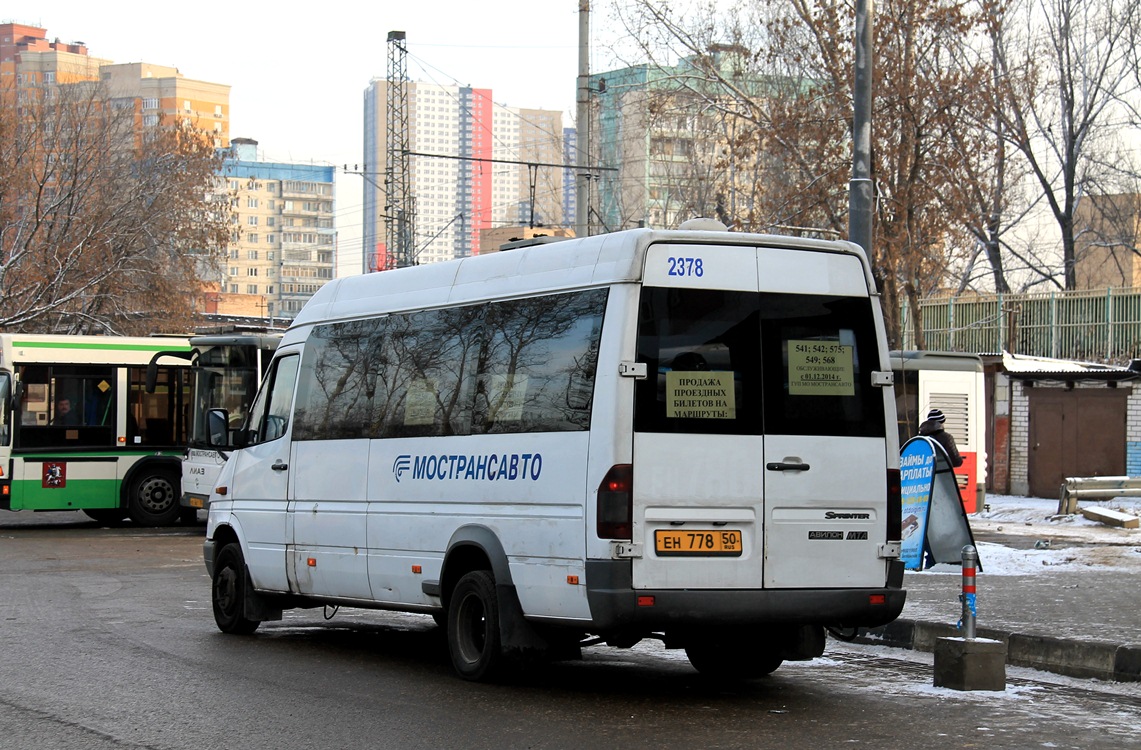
{"x":269,"y":415}
{"x":342,"y":393}
{"x":429,"y":362}
{"x":537,"y":366}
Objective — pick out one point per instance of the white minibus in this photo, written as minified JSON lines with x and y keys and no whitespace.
{"x":686,"y":434}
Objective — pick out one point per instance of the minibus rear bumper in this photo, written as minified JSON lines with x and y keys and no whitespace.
{"x":616,"y":604}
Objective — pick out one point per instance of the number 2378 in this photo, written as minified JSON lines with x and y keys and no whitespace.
{"x":685,"y":267}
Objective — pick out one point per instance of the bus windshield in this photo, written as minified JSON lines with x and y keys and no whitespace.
{"x":225,"y":377}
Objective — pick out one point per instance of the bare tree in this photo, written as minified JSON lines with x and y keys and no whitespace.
{"x":796,"y":98}
{"x":104,"y":227}
{"x":1066,"y":77}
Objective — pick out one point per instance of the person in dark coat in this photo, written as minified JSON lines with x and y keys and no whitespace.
{"x":933,"y":428}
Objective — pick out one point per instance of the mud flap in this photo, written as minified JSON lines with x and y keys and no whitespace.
{"x":257,"y":607}
{"x":517,"y":637}
{"x":804,"y":643}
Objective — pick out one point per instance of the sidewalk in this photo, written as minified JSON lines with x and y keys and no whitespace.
{"x":1064,"y":595}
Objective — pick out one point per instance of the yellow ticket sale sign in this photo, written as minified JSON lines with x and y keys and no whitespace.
{"x":820,"y":368}
{"x":700,"y":395}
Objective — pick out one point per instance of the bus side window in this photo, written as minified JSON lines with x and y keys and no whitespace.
{"x":269,"y":416}
{"x":5,"y":407}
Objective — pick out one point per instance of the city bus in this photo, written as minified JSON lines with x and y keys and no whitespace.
{"x":81,"y":430}
{"x":676,"y":434}
{"x":952,"y":382}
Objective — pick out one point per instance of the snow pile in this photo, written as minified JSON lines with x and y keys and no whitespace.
{"x":1036,"y":540}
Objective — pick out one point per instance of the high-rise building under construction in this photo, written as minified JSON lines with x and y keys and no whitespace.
{"x":473,"y":164}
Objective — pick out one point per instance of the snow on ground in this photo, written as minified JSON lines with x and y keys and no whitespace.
{"x":1048,"y":542}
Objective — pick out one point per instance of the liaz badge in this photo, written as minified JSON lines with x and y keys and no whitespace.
{"x":55,"y":475}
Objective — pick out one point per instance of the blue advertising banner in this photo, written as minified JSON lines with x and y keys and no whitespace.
{"x":917,"y":477}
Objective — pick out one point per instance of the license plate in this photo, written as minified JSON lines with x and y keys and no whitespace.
{"x":196,"y":502}
{"x":698,"y":542}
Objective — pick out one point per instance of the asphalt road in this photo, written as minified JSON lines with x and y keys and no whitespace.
{"x":108,"y":642}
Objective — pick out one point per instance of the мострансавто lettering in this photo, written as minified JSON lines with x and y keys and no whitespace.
{"x":492,"y":467}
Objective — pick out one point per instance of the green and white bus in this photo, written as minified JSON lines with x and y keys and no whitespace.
{"x":80,"y":429}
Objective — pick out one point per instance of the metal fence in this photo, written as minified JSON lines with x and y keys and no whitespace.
{"x":1092,"y":326}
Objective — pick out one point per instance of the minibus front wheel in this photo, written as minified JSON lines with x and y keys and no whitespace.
{"x":473,"y":627}
{"x":228,"y":592}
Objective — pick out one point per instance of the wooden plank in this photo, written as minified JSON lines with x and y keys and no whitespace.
{"x":1111,"y":517}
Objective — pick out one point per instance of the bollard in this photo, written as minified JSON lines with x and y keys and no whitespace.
{"x":970,"y":663}
{"x":970,"y":565}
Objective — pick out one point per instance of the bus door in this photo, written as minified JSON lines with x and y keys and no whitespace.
{"x":261,"y":476}
{"x":826,"y":450}
{"x":759,"y":452}
{"x":697,"y":480}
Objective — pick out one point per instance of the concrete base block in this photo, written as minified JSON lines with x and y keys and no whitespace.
{"x":975,"y":664}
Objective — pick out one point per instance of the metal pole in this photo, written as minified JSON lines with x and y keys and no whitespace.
{"x":860,"y":186}
{"x":1109,"y":323}
{"x":970,"y":564}
{"x":582,"y":125}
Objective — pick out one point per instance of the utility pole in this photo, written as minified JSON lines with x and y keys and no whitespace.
{"x":399,"y":207}
{"x":860,"y":192}
{"x":582,"y":125}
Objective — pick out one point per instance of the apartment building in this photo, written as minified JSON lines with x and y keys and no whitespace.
{"x":28,"y":58}
{"x":283,"y":241}
{"x":158,"y":93}
{"x":570,"y":186}
{"x":163,"y":95}
{"x":463,"y":175}
{"x":664,"y":145}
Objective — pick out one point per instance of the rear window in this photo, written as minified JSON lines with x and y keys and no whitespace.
{"x":748,"y":363}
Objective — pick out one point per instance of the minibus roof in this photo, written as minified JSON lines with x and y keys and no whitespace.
{"x":569,"y":264}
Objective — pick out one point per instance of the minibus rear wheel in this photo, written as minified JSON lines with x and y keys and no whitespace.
{"x":473,"y":627}
{"x":732,"y":659}
{"x":228,"y":592}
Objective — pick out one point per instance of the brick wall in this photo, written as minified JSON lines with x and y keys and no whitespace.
{"x":1019,"y":439}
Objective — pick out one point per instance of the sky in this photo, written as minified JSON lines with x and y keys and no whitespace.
{"x":298,"y":71}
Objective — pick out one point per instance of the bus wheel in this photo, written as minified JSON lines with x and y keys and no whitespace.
{"x":228,"y":592}
{"x":473,"y":627}
{"x":731,"y":659}
{"x":153,"y":499}
{"x":106,"y":516}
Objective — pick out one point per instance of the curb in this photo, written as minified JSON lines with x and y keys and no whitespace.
{"x":1099,"y":660}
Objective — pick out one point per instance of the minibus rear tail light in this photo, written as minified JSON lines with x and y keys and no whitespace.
{"x":616,"y":503}
{"x":894,"y":507}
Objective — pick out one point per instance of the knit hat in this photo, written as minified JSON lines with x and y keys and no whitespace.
{"x":936,"y":415}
